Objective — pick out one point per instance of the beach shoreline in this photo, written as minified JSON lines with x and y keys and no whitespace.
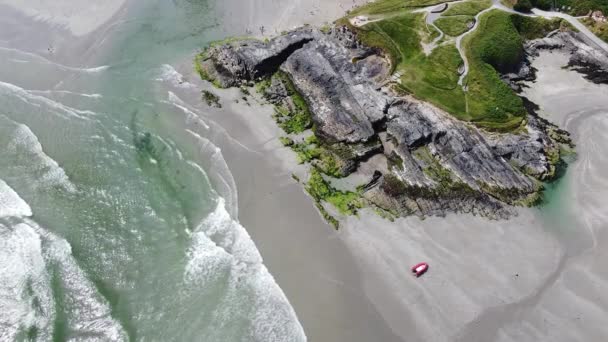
{"x":484,"y":273}
{"x":488,"y":281}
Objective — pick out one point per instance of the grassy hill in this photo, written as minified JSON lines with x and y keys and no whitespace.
{"x":496,"y":46}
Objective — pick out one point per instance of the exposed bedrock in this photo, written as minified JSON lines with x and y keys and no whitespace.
{"x":437,"y":163}
{"x":247,"y":60}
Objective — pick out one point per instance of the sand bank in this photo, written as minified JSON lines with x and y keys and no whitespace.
{"x":513,"y":280}
{"x":536,"y":277}
{"x":271,"y":17}
{"x":80,"y":17}
{"x":305,"y":255}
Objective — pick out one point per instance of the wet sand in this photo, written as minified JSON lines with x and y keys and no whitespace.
{"x":79,"y":17}
{"x":537,"y":277}
{"x":510,"y":280}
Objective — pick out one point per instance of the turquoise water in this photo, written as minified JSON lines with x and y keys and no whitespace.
{"x":117,"y":211}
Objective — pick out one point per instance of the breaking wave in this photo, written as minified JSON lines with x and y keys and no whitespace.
{"x":220,"y":246}
{"x":24,"y":145}
{"x":37,"y":270}
{"x":59,"y":109}
{"x":34,"y":58}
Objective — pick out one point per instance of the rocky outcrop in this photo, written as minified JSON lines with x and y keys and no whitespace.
{"x":238,"y":62}
{"x":437,"y":163}
{"x":341,"y":94}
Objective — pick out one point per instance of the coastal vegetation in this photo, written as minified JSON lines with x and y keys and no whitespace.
{"x":467,"y":8}
{"x":346,"y":202}
{"x":211,"y":99}
{"x":392,"y":6}
{"x":600,"y":29}
{"x":574,"y":7}
{"x":496,"y":46}
{"x":297,"y":117}
{"x":433,"y":78}
{"x":421,"y":175}
{"x":455,"y":25}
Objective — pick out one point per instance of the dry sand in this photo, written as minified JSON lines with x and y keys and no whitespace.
{"x":305,"y":255}
{"x":510,"y":280}
{"x":276,"y":16}
{"x":537,"y":277}
{"x":80,"y":17}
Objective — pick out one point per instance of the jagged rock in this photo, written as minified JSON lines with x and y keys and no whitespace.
{"x":341,"y":93}
{"x":348,"y":156}
{"x":237,"y":62}
{"x":438,"y":164}
{"x":277,"y":92}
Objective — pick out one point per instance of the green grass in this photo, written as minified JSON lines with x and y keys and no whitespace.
{"x":392,"y":6}
{"x":291,"y":121}
{"x":286,"y":141}
{"x":533,"y":28}
{"x":435,"y":79}
{"x":578,"y":7}
{"x":346,"y":202}
{"x":600,"y":29}
{"x":468,"y":8}
{"x":454,"y":25}
{"x":262,"y":85}
{"x":306,"y":152}
{"x":432,"y":78}
{"x":496,"y":46}
{"x":399,"y":36}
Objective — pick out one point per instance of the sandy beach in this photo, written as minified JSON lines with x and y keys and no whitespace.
{"x":537,"y":277}
{"x":489,"y":280}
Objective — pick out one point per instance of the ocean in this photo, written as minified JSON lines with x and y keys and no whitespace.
{"x":118,"y":213}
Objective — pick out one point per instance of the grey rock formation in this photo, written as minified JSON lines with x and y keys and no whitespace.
{"x":437,"y":163}
{"x":240,"y":61}
{"x":341,"y":93}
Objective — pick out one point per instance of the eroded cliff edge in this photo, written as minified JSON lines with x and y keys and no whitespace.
{"x":329,"y":82}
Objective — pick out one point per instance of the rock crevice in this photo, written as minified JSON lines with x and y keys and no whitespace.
{"x":437,"y":163}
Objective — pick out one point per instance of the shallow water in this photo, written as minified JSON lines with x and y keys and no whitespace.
{"x":117,"y":211}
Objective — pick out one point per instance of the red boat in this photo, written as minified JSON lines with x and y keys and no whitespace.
{"x":419,"y":269}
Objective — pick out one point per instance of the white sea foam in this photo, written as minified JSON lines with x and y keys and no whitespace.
{"x":191,"y":116}
{"x":220,"y":245}
{"x":25,"y":293}
{"x":88,"y":312}
{"x":42,"y":60}
{"x":25,"y":144}
{"x":26,"y":298}
{"x":27,"y":252}
{"x":11,"y":204}
{"x":168,"y":73}
{"x":219,"y":174}
{"x":66,"y":92}
{"x":60,"y":109}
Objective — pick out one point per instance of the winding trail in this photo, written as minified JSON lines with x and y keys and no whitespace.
{"x":536,"y":13}
{"x":463,"y":54}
